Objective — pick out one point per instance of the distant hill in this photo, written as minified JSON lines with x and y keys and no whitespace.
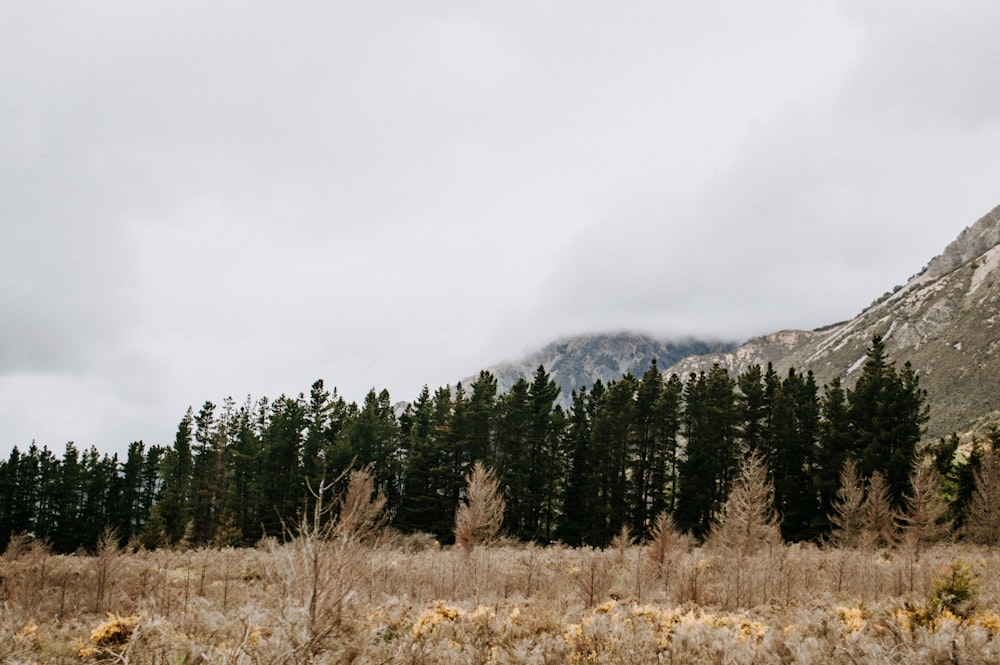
{"x":579,"y":361}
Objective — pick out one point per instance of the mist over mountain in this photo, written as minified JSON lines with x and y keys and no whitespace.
{"x":944,"y":320}
{"x":578,"y":361}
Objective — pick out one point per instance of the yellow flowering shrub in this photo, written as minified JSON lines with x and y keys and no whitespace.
{"x":853,"y":619}
{"x":112,"y":635}
{"x":432,"y":618}
{"x":989,"y":620}
{"x":29,"y":636}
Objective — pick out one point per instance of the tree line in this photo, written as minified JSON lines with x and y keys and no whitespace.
{"x":622,"y":454}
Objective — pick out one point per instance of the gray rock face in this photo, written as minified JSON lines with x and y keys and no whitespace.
{"x":945,"y":321}
{"x":579,"y":361}
{"x":970,"y":243}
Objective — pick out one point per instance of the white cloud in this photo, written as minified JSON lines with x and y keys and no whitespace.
{"x":202,"y":201}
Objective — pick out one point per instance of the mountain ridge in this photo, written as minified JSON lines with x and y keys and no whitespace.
{"x":576,"y":361}
{"x":945,"y":320}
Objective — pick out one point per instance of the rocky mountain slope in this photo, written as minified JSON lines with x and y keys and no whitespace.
{"x":579,"y":361}
{"x":944,"y":321}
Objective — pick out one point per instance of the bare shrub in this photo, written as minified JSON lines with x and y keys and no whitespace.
{"x":478,"y":519}
{"x":362,"y":509}
{"x":320,"y":567}
{"x":924,"y":521}
{"x":593,"y":578}
{"x":848,"y":516}
{"x":982,"y":521}
{"x":665,"y":542}
{"x":801,"y":604}
{"x":748,"y":522}
{"x":106,"y":565}
{"x":880,"y":519}
{"x":746,"y":535}
{"x":622,"y":541}
{"x":29,"y":560}
{"x":18,"y":545}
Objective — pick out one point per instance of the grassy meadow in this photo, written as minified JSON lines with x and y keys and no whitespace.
{"x":406,"y":600}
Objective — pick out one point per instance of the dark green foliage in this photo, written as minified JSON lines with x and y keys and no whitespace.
{"x":176,"y":474}
{"x":710,"y":427}
{"x":756,"y":402}
{"x":281,"y":484}
{"x":432,"y":484}
{"x":887,"y":410}
{"x":834,"y":439}
{"x":793,"y":465}
{"x":622,"y":454}
{"x":613,"y":427}
{"x":580,"y":499}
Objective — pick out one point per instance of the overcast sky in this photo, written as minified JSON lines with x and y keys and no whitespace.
{"x":203,"y":199}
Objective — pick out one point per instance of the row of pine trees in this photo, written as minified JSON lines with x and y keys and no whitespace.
{"x":620,"y":455}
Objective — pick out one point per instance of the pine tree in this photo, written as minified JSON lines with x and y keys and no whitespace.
{"x":544,"y":457}
{"x":40,"y":477}
{"x":710,"y":428}
{"x":644,"y":456}
{"x":317,"y":439}
{"x":128,"y":513}
{"x":374,"y":439}
{"x":793,"y":436}
{"x":174,"y":509}
{"x":832,"y":452}
{"x":965,"y":483}
{"x":433,"y":476}
{"x":613,"y":429}
{"x":583,"y":519}
{"x":242,"y":503}
{"x":20,"y":491}
{"x":96,"y":473}
{"x":666,"y":453}
{"x":281,"y":484}
{"x":207,"y":470}
{"x":481,"y":418}
{"x":8,"y":492}
{"x":556,"y":465}
{"x":420,"y":506}
{"x":514,"y":431}
{"x":887,"y":411}
{"x":68,"y":502}
{"x":530,"y":456}
{"x":754,"y":404}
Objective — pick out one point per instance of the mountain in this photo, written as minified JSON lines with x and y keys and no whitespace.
{"x":944,"y":321}
{"x":578,"y":361}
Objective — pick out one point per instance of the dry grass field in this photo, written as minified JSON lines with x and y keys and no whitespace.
{"x":404,"y":600}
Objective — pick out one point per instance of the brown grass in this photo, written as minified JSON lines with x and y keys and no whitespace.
{"x":339,"y":600}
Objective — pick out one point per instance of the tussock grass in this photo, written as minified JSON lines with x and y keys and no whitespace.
{"x":384,"y":601}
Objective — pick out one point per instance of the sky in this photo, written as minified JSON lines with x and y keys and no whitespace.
{"x":201,"y":200}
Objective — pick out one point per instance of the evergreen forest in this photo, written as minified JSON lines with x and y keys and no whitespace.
{"x":621,"y":454}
